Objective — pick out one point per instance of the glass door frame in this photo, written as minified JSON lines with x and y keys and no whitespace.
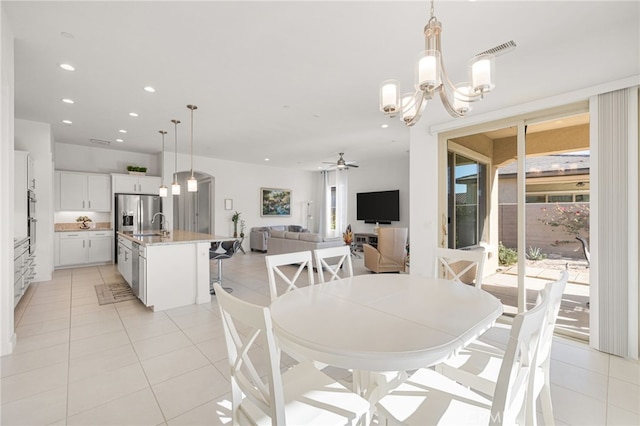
{"x":519,"y":123}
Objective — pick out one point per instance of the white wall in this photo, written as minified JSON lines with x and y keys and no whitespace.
{"x":7,"y":335}
{"x":37,"y":139}
{"x":241,"y":182}
{"x":102,"y":160}
{"x":383,"y":176}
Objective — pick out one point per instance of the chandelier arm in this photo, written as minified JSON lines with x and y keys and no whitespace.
{"x":447,"y":105}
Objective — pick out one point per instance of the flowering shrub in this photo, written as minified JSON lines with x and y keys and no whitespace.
{"x":573,"y":220}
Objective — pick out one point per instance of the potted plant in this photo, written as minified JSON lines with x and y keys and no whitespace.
{"x":85,"y":221}
{"x":242,"y":228}
{"x":235,"y":218}
{"x":135,"y":170}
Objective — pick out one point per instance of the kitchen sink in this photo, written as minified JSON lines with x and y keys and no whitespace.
{"x":148,"y":234}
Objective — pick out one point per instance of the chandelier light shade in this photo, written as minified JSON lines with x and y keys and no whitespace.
{"x":163,"y":190}
{"x":431,"y":79}
{"x":175,"y":186}
{"x":192,"y":182}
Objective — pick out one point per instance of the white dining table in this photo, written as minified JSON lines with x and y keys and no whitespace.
{"x":382,"y":322}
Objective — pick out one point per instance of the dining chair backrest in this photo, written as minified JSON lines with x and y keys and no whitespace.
{"x":276,"y":267}
{"x":334,"y":260}
{"x":247,"y":326}
{"x":510,"y":396}
{"x":556,"y":290}
{"x":457,"y":265}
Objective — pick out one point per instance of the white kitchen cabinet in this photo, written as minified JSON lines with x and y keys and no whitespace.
{"x":23,"y":181}
{"x":125,"y":261}
{"x":84,"y":247}
{"x":142,"y":274}
{"x":133,"y":184}
{"x":83,"y":191}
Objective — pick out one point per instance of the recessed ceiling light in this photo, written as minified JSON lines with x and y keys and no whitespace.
{"x":267,"y":159}
{"x":384,"y":126}
{"x":149,"y":89}
{"x":133,"y":114}
{"x":122,"y":131}
{"x":67,"y":67}
{"x":119,"y":140}
{"x":67,"y":121}
{"x":67,"y":101}
{"x":67,"y":35}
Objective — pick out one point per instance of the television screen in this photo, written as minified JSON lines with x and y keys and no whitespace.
{"x":379,"y":206}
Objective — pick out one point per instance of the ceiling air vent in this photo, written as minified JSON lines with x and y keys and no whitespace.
{"x":500,"y":50}
{"x":100,"y":141}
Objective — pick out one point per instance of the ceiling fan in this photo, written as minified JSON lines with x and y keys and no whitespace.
{"x":341,"y":163}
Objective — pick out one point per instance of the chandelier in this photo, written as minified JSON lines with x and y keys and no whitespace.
{"x":431,"y":79}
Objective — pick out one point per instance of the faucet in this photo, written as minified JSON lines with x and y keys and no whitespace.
{"x":163,"y":223}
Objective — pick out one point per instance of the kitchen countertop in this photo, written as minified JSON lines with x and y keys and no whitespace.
{"x":75,"y":226}
{"x":175,"y":237}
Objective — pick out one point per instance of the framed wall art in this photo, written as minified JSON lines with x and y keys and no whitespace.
{"x":275,"y":202}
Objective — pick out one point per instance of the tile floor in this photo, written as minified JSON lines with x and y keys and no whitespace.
{"x":79,"y":363}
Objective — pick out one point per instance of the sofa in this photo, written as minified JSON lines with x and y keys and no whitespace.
{"x":281,"y":242}
{"x":259,"y":236}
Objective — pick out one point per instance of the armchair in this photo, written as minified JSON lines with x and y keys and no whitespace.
{"x":391,"y":253}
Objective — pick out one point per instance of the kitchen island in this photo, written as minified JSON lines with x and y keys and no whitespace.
{"x":167,"y":271}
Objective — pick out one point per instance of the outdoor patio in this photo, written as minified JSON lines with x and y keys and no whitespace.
{"x":574,"y":310}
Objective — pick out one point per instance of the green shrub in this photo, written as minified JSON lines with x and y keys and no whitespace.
{"x":535,"y":253}
{"x":506,"y":256}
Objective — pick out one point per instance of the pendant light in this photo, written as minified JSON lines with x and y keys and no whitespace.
{"x":192,"y":182}
{"x":175,"y":186}
{"x":163,"y":191}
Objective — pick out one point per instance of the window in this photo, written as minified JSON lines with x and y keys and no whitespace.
{"x":332,"y":209}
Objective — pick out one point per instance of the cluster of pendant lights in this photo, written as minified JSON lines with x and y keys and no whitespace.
{"x":192,"y":182}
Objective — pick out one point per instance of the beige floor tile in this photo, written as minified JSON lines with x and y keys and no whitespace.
{"x":173,"y":364}
{"x":20,"y":363}
{"x":97,"y":316}
{"x":201,"y":316}
{"x":33,"y":382}
{"x":42,"y":327}
{"x":49,"y":315}
{"x":575,"y":408}
{"x":101,"y":362}
{"x":99,"y":343}
{"x":100,"y":389}
{"x":617,"y":416}
{"x":579,"y":380}
{"x":216,"y":412}
{"x":40,"y":409}
{"x":41,"y":341}
{"x":624,"y":395}
{"x":203,"y":332}
{"x":137,"y":408}
{"x":214,"y":349}
{"x":96,"y":329}
{"x":188,"y":391}
{"x":159,"y":345}
{"x":625,"y":369}
{"x":580,"y":355}
{"x":154,"y":329}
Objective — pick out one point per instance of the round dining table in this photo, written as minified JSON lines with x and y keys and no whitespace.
{"x":382,"y":322}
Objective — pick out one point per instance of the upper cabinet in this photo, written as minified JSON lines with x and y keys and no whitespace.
{"x":132,"y":184}
{"x":83,"y":191}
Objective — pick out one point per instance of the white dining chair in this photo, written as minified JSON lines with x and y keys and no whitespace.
{"x":457,"y":265}
{"x":477,"y":365}
{"x":334,"y":260}
{"x":430,"y":398}
{"x":301,"y":395}
{"x":276,"y":268}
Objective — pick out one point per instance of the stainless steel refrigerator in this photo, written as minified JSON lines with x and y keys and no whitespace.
{"x":133,"y":213}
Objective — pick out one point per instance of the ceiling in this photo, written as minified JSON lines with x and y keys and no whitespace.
{"x":295,"y":82}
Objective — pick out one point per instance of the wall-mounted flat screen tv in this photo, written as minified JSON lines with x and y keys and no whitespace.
{"x":379,"y":206}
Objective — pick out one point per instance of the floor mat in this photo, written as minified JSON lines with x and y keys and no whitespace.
{"x":114,"y":293}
